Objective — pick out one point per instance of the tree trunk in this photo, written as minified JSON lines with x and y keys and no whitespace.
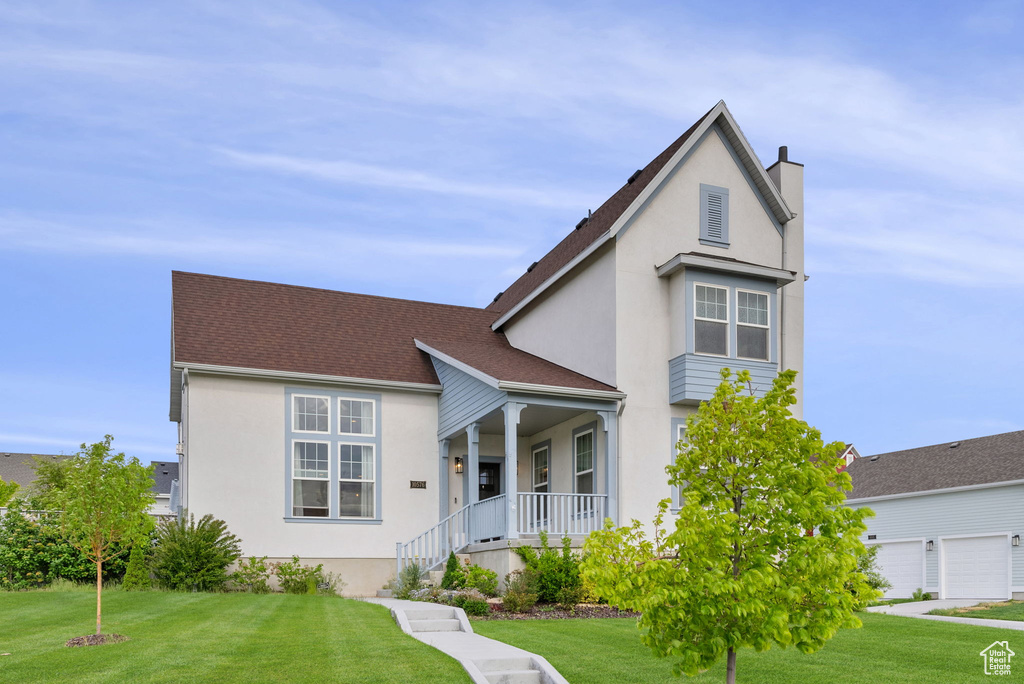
{"x":99,"y":593}
{"x":730,"y":667}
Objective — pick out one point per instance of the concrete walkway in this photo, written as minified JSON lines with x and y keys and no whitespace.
{"x":485,"y":660}
{"x":919,"y":609}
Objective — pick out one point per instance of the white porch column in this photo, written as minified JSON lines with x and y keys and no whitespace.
{"x":610,"y":424}
{"x":442,"y":478}
{"x":512,"y":410}
{"x":473,"y":467}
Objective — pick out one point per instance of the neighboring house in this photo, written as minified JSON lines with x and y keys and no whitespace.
{"x":353,"y":430}
{"x":165,"y":488}
{"x":849,"y":454}
{"x":21,"y":468}
{"x":948,"y":517}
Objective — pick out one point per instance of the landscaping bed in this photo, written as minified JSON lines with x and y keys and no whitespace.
{"x":581,"y":611}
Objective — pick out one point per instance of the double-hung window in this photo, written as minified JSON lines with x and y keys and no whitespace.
{"x":333,"y":458}
{"x":540,"y":469}
{"x":355,"y":480}
{"x":583,"y":460}
{"x":711,"y":320}
{"x":751,"y":325}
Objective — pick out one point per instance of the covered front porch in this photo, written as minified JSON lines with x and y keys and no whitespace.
{"x":530,"y":463}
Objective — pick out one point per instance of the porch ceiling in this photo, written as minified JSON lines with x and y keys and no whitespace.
{"x":532,"y":420}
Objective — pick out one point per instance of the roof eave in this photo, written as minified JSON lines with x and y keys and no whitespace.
{"x":681,"y":261}
{"x":214,"y":369}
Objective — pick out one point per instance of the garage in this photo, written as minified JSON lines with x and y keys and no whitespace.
{"x":902,"y":563}
{"x":976,"y":567}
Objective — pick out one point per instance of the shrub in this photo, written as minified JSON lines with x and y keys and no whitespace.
{"x":471,"y":601}
{"x":588,"y":592}
{"x":194,"y":556}
{"x":252,"y":575}
{"x":409,"y":580}
{"x":34,"y":553}
{"x":555,"y":571}
{"x":483,"y":580}
{"x":296,"y":578}
{"x":921,"y":595}
{"x":454,"y":577}
{"x":136,"y":577}
{"x":520,"y":591}
{"x":867,"y":565}
{"x":569,"y":598}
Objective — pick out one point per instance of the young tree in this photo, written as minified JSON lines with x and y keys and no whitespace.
{"x":763,"y":550}
{"x":104,"y":502}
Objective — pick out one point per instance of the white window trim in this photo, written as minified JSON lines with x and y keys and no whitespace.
{"x":533,"y":468}
{"x":373,"y":416}
{"x":752,"y":325}
{"x":575,"y":454}
{"x":373,"y":481}
{"x":295,"y":415}
{"x":312,"y":479}
{"x":727,"y":322}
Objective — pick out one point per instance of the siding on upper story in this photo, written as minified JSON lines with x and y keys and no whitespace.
{"x":694,"y":377}
{"x":991,"y":510}
{"x":463,"y":398}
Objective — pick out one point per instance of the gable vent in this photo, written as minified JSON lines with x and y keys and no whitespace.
{"x":715,"y":210}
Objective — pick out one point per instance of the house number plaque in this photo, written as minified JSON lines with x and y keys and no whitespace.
{"x":417,"y":484}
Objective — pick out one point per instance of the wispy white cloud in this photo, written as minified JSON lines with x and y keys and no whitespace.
{"x":17,"y":442}
{"x":918,"y":236}
{"x":354,"y":173}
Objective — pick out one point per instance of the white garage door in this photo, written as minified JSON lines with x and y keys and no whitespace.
{"x":976,"y":567}
{"x":902,"y":563}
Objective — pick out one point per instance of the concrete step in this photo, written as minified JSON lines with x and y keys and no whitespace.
{"x":512,"y":663}
{"x":438,"y":613}
{"x":451,"y":625}
{"x":513,"y":677}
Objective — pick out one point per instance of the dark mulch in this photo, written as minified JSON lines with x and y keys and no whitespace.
{"x":96,"y":640}
{"x":549,"y":613}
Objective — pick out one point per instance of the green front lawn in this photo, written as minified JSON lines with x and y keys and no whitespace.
{"x":886,"y":649}
{"x":221,"y":638}
{"x":1006,"y":610}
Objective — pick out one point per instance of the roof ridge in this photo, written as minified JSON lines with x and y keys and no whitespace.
{"x":945,"y":443}
{"x":326,"y":290}
{"x":597,"y":224}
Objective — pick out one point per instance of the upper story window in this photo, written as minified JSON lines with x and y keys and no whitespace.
{"x":714,"y":215}
{"x":310,"y":414}
{"x":333,"y":481}
{"x":711,"y":320}
{"x":355,"y":417}
{"x":751,"y":325}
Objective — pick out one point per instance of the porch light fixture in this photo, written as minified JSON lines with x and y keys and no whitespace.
{"x":929,"y":545}
{"x":1015,"y":540}
{"x":458,"y":465}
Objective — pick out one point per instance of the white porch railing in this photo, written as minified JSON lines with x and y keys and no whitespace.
{"x":558,"y":514}
{"x":472,"y":523}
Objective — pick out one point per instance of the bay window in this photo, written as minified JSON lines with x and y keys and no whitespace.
{"x":751,"y":325}
{"x":711,"y":320}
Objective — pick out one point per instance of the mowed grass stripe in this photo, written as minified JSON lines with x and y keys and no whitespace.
{"x":886,"y":649}
{"x":212,"y":638}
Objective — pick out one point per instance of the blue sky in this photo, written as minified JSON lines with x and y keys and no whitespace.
{"x":434,"y":150}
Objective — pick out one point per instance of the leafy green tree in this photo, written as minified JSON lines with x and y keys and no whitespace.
{"x":51,"y":479}
{"x":740,"y":566}
{"x":7,"y":491}
{"x":103,"y":504}
{"x":194,"y":556}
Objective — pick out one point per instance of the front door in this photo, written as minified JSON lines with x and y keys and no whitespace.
{"x":490,"y":476}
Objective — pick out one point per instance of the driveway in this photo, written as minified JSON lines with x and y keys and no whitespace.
{"x":918,"y":609}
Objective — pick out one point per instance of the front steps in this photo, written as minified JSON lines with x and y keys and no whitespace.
{"x":486,"y":661}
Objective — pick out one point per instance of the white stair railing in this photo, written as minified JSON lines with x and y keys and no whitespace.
{"x":472,"y":523}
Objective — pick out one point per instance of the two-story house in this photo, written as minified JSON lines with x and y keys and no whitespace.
{"x":358,"y":431}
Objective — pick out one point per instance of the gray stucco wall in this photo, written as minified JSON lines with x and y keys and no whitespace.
{"x":980,"y":511}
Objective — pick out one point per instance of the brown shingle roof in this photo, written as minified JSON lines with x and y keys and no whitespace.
{"x":578,"y":240}
{"x":269,"y":326}
{"x":984,"y":460}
